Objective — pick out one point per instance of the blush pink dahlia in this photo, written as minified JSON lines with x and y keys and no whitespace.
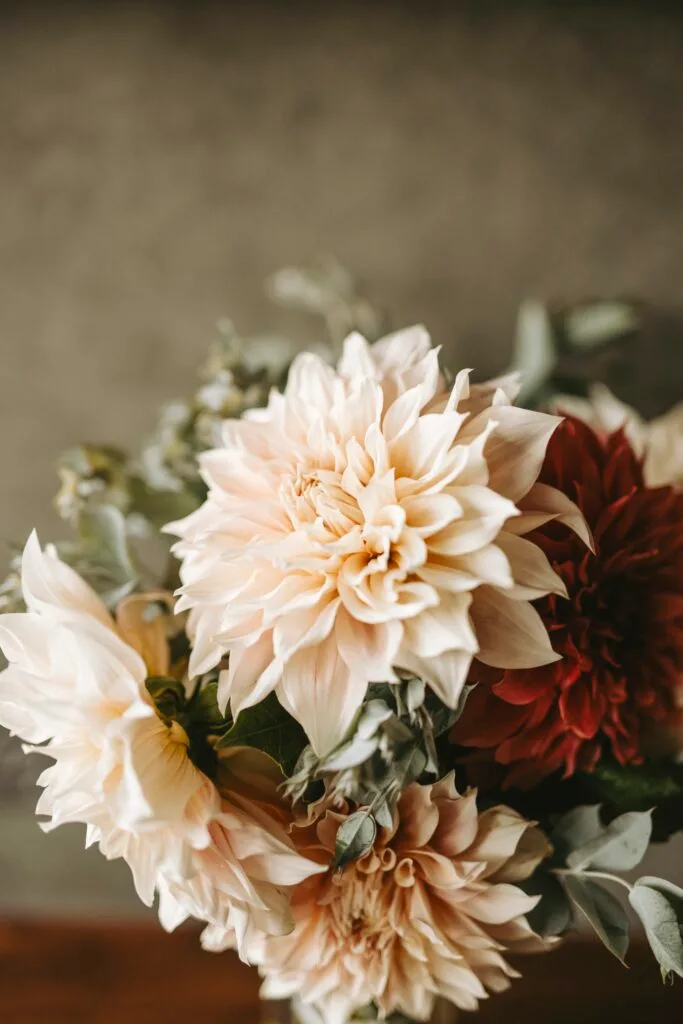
{"x":369,"y":519}
{"x":75,"y":685}
{"x":430,"y":910}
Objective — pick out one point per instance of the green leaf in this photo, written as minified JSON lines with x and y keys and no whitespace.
{"x":662,"y":927}
{"x":168,"y":695}
{"x":356,"y":752}
{"x":355,"y":837}
{"x":552,"y":915}
{"x":373,"y":714}
{"x":203,"y":708}
{"x":414,"y":694}
{"x":268,"y":727}
{"x":161,"y":506}
{"x":674,"y":893}
{"x":102,"y":554}
{"x":592,"y":325}
{"x":603,"y":911}
{"x":444,"y":718}
{"x":621,"y":846}
{"x":534,"y":355}
{"x":579,"y":826}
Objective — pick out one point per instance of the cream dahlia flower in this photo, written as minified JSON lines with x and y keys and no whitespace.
{"x":76,"y":683}
{"x":368,"y":519}
{"x":429,"y":911}
{"x":658,"y":442}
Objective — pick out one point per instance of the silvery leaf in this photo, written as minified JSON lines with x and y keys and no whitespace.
{"x":355,"y":837}
{"x":534,"y":348}
{"x":579,"y":826}
{"x":603,"y":911}
{"x":600,"y":322}
{"x":414,"y":694}
{"x":620,"y":847}
{"x":351,"y":754}
{"x":373,"y":715}
{"x":662,"y":927}
{"x":674,"y":893}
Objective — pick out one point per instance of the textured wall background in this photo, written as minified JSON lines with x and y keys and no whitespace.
{"x":158,"y":160}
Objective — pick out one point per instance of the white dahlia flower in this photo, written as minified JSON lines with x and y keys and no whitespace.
{"x":75,"y":685}
{"x":369,"y":519}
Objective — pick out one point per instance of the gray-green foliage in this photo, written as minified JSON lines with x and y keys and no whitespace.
{"x":390,"y":744}
{"x":590,"y":851}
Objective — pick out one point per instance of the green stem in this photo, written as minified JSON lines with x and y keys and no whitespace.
{"x":595,"y":874}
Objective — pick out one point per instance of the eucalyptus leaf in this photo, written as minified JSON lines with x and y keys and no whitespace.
{"x":351,"y":754}
{"x":444,"y":718}
{"x":168,"y":695}
{"x":600,"y":322}
{"x":674,"y":893}
{"x":373,"y":715}
{"x":579,"y":826}
{"x":414,"y":694}
{"x":355,"y":837}
{"x":101,"y":554}
{"x":203,"y":708}
{"x":662,"y":927}
{"x":534,"y":355}
{"x":621,"y":846}
{"x":382,"y":813}
{"x":552,"y":915}
{"x":161,"y":506}
{"x":268,"y":727}
{"x":603,"y":911}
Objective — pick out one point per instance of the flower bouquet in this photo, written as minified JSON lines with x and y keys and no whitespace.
{"x":372,"y":670}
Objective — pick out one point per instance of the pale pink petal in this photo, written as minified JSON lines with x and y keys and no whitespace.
{"x":511,"y":633}
{"x":533,"y":575}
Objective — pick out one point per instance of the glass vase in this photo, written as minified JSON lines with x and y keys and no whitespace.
{"x":292,"y":1013}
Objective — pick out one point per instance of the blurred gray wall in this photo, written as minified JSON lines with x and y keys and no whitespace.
{"x":157,"y":161}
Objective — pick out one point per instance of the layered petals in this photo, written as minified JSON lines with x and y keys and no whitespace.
{"x":430,"y":910}
{"x":76,"y":684}
{"x":617,"y":685}
{"x":362,"y":523}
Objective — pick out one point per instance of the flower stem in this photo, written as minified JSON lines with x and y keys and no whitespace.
{"x":595,"y":874}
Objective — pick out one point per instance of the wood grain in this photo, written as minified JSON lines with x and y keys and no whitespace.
{"x":123,"y":974}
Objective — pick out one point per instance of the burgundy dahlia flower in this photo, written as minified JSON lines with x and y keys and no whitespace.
{"x":620,"y":632}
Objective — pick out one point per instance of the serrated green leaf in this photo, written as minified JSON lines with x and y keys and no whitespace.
{"x":268,"y":727}
{"x":603,"y":911}
{"x":620,"y":847}
{"x":662,"y":927}
{"x":355,"y":837}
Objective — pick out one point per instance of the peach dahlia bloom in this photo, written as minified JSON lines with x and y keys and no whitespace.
{"x":429,"y":911}
{"x":369,"y":519}
{"x":75,"y":685}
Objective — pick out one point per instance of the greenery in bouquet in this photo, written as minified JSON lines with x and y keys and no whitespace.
{"x":374,"y":670}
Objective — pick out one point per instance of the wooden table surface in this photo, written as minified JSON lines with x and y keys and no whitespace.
{"x":122,"y":974}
